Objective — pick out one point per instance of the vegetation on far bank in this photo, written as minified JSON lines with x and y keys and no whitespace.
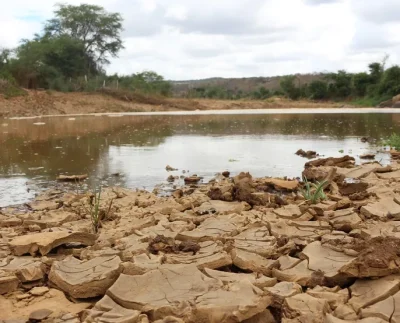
{"x":72,"y":50}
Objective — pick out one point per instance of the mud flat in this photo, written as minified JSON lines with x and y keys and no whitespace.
{"x":238,"y":249}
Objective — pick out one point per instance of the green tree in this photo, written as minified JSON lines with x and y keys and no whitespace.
{"x":376,"y":71}
{"x":97,"y":29}
{"x":317,"y":90}
{"x":361,"y":82}
{"x":390,"y":84}
{"x":339,"y":84}
{"x":289,"y":88}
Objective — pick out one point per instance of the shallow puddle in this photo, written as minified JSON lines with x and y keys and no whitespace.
{"x":138,"y":147}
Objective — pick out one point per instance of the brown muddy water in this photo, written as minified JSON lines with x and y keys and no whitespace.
{"x":138,"y":147}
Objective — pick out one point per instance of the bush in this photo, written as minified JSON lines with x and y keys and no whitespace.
{"x":317,"y":90}
{"x":394,"y":141}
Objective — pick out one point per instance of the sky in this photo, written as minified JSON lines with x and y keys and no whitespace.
{"x":195,"y":39}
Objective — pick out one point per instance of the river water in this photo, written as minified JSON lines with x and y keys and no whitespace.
{"x":35,"y":151}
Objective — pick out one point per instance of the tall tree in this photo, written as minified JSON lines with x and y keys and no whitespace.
{"x":97,"y":29}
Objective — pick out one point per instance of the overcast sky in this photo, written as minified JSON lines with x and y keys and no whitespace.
{"x":193,"y":39}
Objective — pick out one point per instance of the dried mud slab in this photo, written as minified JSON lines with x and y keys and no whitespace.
{"x":345,"y":162}
{"x":186,"y":293}
{"x":85,"y":279}
{"x":386,"y":208}
{"x":44,"y":242}
{"x":27,"y":269}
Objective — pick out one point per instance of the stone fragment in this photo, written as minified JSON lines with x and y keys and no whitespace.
{"x":345,"y":162}
{"x":72,"y":178}
{"x":39,"y":291}
{"x":257,"y":280}
{"x":51,"y":219}
{"x":108,"y":311}
{"x":335,"y":296}
{"x":253,"y":262}
{"x":287,"y":262}
{"x":263,"y":317}
{"x":345,"y":312}
{"x":186,"y":293}
{"x":384,"y":209}
{"x":8,"y":283}
{"x":332,"y":319}
{"x":85,"y":279}
{"x":299,"y":274}
{"x":27,"y":269}
{"x":282,"y":290}
{"x":211,"y":255}
{"x":40,"y":315}
{"x":289,"y":212}
{"x":368,"y":292}
{"x":387,"y":309}
{"x":304,"y":305}
{"x":214,"y":228}
{"x":221,"y":207}
{"x":282,"y":185}
{"x":327,"y":261}
{"x":46,"y":241}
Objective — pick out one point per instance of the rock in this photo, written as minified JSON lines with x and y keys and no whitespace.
{"x":27,"y":269}
{"x":252,"y":262}
{"x":307,"y":154}
{"x":54,"y":300}
{"x":384,"y":209}
{"x":263,"y":317}
{"x":44,"y":205}
{"x":172,"y":178}
{"x":226,"y":174}
{"x":304,"y":305}
{"x":378,"y":257}
{"x":345,"y":162}
{"x":39,"y":291}
{"x":331,"y":319}
{"x":290,"y":212}
{"x":46,"y":241}
{"x":367,"y":156}
{"x":344,"y":220}
{"x":170,"y":169}
{"x":211,"y":255}
{"x":85,"y":279}
{"x":256,"y":279}
{"x":218,"y":227}
{"x":72,"y":178}
{"x":387,"y":309}
{"x":335,"y":296}
{"x":8,"y":283}
{"x":51,"y":219}
{"x":223,"y":192}
{"x":345,"y":312}
{"x":40,"y":315}
{"x":368,"y":292}
{"x":327,"y":261}
{"x":186,"y":293}
{"x":221,"y":207}
{"x":282,"y":185}
{"x":192,"y":179}
{"x":347,"y":189}
{"x":287,"y":262}
{"x":299,"y":274}
{"x":282,"y":290}
{"x":108,"y":311}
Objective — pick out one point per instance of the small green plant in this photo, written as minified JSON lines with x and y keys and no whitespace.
{"x":393,"y":141}
{"x":233,"y":160}
{"x":341,"y":151}
{"x":314,"y":192}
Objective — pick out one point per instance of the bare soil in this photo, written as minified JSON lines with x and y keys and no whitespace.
{"x":38,"y":103}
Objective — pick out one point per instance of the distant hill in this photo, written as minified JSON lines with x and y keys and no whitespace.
{"x":249,"y":84}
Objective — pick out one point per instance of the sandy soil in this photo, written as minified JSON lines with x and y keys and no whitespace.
{"x":37,"y":103}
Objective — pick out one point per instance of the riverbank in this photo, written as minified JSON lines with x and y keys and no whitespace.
{"x":234,"y":249}
{"x":40,"y":103}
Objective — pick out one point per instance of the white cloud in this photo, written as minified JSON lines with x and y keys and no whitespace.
{"x":185,"y":39}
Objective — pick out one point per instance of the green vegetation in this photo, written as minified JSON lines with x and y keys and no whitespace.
{"x":365,"y":89}
{"x":70,"y":55}
{"x":393,"y":141}
{"x":314,"y":193}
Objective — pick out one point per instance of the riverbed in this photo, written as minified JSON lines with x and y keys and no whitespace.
{"x":132,"y":150}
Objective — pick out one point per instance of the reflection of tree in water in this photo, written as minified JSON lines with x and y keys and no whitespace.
{"x":85,"y":142}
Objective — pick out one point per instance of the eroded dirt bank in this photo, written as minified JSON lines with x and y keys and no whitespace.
{"x":234,"y":250}
{"x":37,"y":103}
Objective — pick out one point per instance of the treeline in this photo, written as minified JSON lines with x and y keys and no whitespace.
{"x":369,"y":88}
{"x":372,"y":87}
{"x":70,"y":55}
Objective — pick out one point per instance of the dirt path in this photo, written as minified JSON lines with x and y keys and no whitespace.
{"x":37,"y":103}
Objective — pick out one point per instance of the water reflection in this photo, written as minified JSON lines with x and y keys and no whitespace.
{"x":141,"y":146}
